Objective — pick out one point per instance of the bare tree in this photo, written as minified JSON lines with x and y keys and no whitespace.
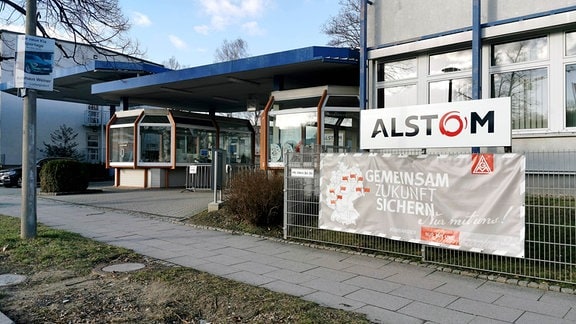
{"x":98,"y":23}
{"x":173,"y":64}
{"x":232,"y":50}
{"x":344,"y":28}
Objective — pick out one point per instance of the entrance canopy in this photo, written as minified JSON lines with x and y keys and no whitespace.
{"x":236,"y":85}
{"x":74,"y":84}
{"x":220,"y":87}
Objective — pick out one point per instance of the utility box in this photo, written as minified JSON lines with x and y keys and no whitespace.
{"x":218,"y":168}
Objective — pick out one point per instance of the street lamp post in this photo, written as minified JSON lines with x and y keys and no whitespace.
{"x":448,"y":70}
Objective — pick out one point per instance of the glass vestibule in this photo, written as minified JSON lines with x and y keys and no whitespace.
{"x":167,"y":139}
{"x":154,"y":141}
{"x":295,"y":116}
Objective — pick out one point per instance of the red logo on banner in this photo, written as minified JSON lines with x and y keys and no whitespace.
{"x":482,"y":163}
{"x":440,"y":235}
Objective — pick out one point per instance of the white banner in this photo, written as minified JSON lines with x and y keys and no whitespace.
{"x":472,"y":123}
{"x":473,"y":202}
{"x":34,"y":63}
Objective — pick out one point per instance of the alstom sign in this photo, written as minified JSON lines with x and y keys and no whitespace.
{"x":458,"y":124}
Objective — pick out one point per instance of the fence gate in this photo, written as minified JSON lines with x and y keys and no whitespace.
{"x":550,"y":221}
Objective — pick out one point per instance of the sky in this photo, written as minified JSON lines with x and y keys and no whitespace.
{"x":192,"y":30}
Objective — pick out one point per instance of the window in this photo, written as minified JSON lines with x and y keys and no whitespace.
{"x":404,"y":95}
{"x":570,"y":77}
{"x":399,"y":88}
{"x":93,"y":147}
{"x":571,"y":95}
{"x":121,"y":144}
{"x":529,"y":50}
{"x":450,"y":62}
{"x":570,"y":44}
{"x":291,"y":132}
{"x":194,"y":145}
{"x":528,"y":91}
{"x":450,"y":90}
{"x":154,"y":143}
{"x":515,"y":76}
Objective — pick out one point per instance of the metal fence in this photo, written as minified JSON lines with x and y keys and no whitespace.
{"x":550,"y":222}
{"x":199,"y":176}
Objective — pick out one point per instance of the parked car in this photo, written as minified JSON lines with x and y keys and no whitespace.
{"x":13,"y":177}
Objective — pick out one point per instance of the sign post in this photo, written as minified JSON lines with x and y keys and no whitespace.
{"x":33,"y":72}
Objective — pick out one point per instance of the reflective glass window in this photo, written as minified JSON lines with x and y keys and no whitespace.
{"x":571,"y":95}
{"x":451,"y":62}
{"x":194,"y":145}
{"x":155,"y":144}
{"x":291,"y":132}
{"x":528,"y":50}
{"x":399,"y":70}
{"x":528,"y":90}
{"x":451,"y":90}
{"x":570,"y":43}
{"x":397,"y":96}
{"x":121,"y":144}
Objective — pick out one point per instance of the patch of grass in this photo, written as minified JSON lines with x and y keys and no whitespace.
{"x":225,"y":219}
{"x":52,"y":249}
{"x":158,"y":293}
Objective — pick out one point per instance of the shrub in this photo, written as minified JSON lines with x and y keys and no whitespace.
{"x":257,"y":197}
{"x":63,"y":176}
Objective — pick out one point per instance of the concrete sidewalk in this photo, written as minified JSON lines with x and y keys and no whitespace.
{"x":385,"y":290}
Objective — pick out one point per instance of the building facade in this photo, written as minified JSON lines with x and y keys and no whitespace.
{"x":435,"y":51}
{"x":87,"y":119}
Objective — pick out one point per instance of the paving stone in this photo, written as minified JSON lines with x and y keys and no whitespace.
{"x":379,"y":299}
{"x":249,"y":278}
{"x":436,"y":314}
{"x":486,"y":310}
{"x":224,"y":259}
{"x":379,"y":315}
{"x":334,"y":301}
{"x":463,"y":289}
{"x":11,"y":279}
{"x":329,"y":286}
{"x":556,"y":298}
{"x":382,"y":286}
{"x":420,"y":282}
{"x":254,"y":267}
{"x":529,"y":318}
{"x":511,"y":290}
{"x":294,"y":265}
{"x":290,"y":276}
{"x":370,"y":272}
{"x":425,"y":296}
{"x":571,"y":316}
{"x":215,"y":268}
{"x":5,"y":319}
{"x":331,"y":274}
{"x":187,"y":261}
{"x":533,"y":306}
{"x":366,"y":261}
{"x":288,"y":288}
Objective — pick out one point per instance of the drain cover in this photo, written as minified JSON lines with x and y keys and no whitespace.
{"x":11,"y":279}
{"x":123,"y":267}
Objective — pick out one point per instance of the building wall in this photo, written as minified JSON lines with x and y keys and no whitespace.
{"x":394,"y":21}
{"x":50,"y":114}
{"x":533,"y":44}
